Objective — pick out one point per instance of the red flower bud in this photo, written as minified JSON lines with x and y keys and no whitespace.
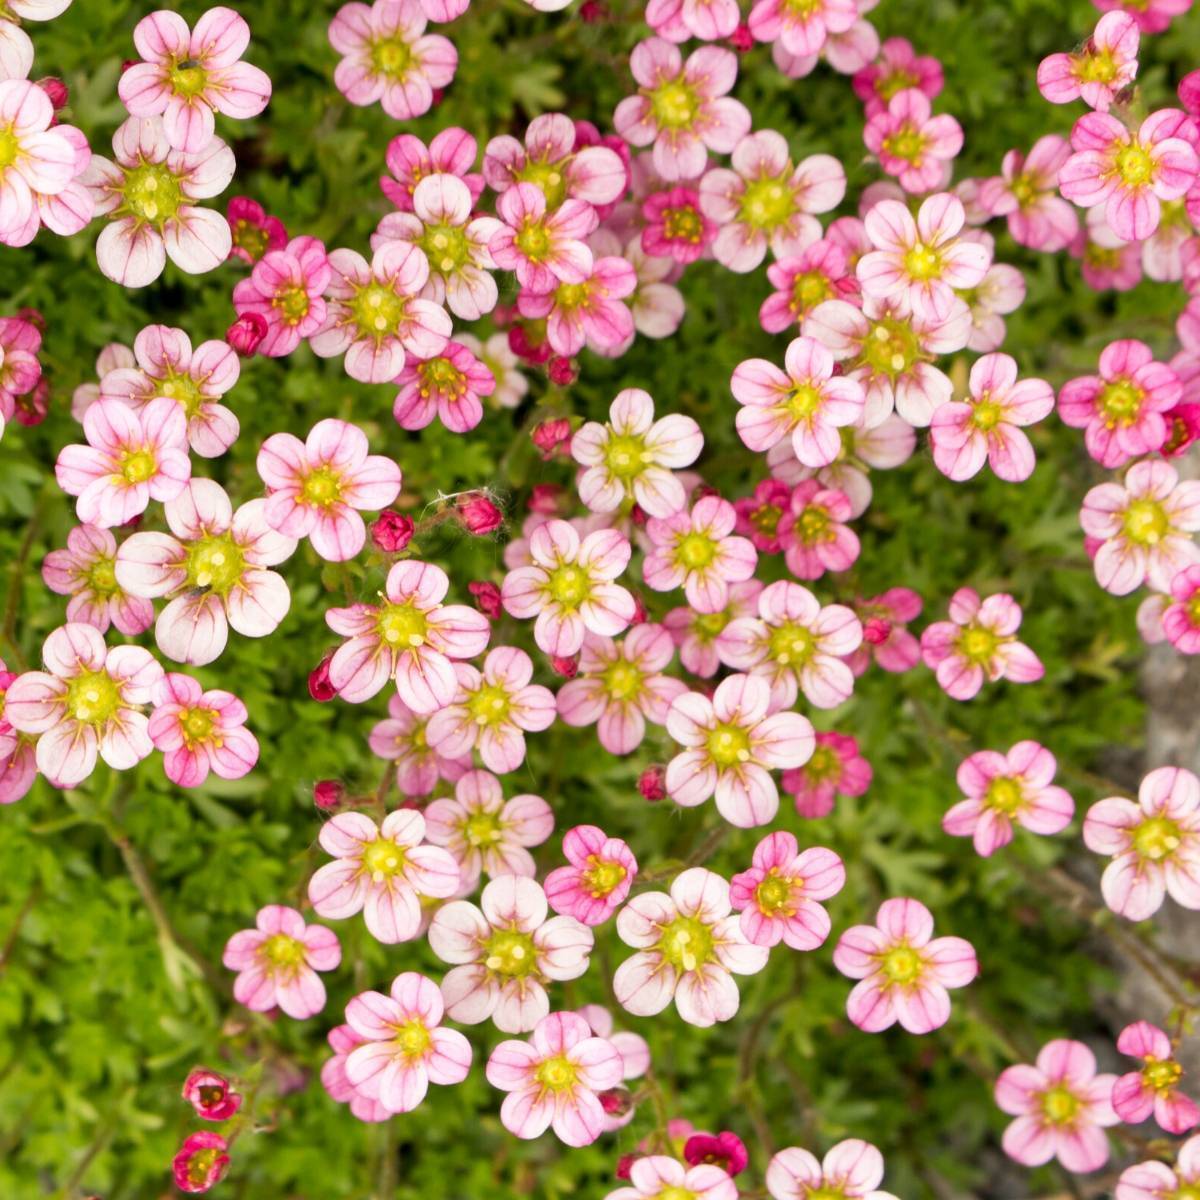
{"x":725,"y":1150}
{"x":328,"y":793}
{"x":638,"y":516}
{"x":592,"y":11}
{"x":478,"y":514}
{"x":246,"y":334}
{"x":652,"y":783}
{"x":876,"y":630}
{"x":616,"y":1101}
{"x":522,"y":344}
{"x":392,"y":531}
{"x":625,"y":1164}
{"x":57,"y":91}
{"x":487,"y":598}
{"x":562,"y":371}
{"x":549,"y":435}
{"x":568,"y":668}
{"x":319,"y":686}
{"x":741,"y":39}
{"x":639,"y":609}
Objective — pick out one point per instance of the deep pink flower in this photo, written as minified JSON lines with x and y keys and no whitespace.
{"x":247,"y":333}
{"x":1181,"y":617}
{"x":885,"y":636}
{"x":212,"y":1096}
{"x":1154,"y":1089}
{"x":821,"y":271}
{"x":448,"y":386}
{"x":201,"y":1162}
{"x":400,"y":737}
{"x":814,"y":533}
{"x":597,"y":881}
{"x":85,"y":572}
{"x":544,"y":247}
{"x":20,"y":370}
{"x":450,"y":152}
{"x":285,"y":289}
{"x":897,"y":67}
{"x":199,"y":731}
{"x":836,"y":768}
{"x":675,"y":225}
{"x":851,"y":1170}
{"x":1105,"y":65}
{"x":277,"y":962}
{"x":1026,"y":193}
{"x":759,"y":515}
{"x":912,"y":144}
{"x":590,"y":312}
{"x":725,"y":1150}
{"x":660,"y":1177}
{"x":255,"y":232}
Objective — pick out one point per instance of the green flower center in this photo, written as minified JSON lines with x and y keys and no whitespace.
{"x":10,"y":147}
{"x":803,"y":401}
{"x":887,"y":88}
{"x":402,"y":626}
{"x":446,"y":247}
{"x":600,"y":877}
{"x":377,"y":310}
{"x":1098,"y":66}
{"x":548,"y":177}
{"x":625,"y":455}
{"x":1004,"y":796}
{"x":215,"y":562}
{"x":728,"y":745}
{"x":765,"y":518}
{"x":569,"y":585}
{"x":489,"y":705}
{"x":570,"y":296}
{"x":482,"y":830}
{"x":1060,"y":1105}
{"x":814,"y":526}
{"x":683,"y":224}
{"x":809,"y":288}
{"x":907,"y":143}
{"x":1134,"y":166}
{"x":93,"y":697}
{"x":321,"y":487}
{"x":986,"y":415}
{"x":1103,"y":258}
{"x":1145,"y":522}
{"x":102,"y":577}
{"x":1156,"y":838}
{"x":293,"y":304}
{"x":556,"y":1074}
{"x":282,"y":953}
{"x":391,"y":57}
{"x":767,"y":204}
{"x":891,"y":348}
{"x":1162,"y":1074}
{"x":902,"y":966}
{"x":184,"y":389}
{"x":708,"y":626}
{"x":136,"y":466}
{"x":188,"y":78}
{"x":510,"y":952}
{"x":413,"y":1039}
{"x":977,"y":644}
{"x":824,"y":764}
{"x":201,"y":1164}
{"x":1024,"y":190}
{"x":534,"y":241}
{"x":1120,"y":402}
{"x":197,"y":725}
{"x":687,"y":944}
{"x":382,"y":859}
{"x":674,"y":105}
{"x":623,"y":681}
{"x":253,"y":239}
{"x":152,"y":193}
{"x":774,"y":895}
{"x":923,"y":262}
{"x":792,"y":644}
{"x":695,"y":551}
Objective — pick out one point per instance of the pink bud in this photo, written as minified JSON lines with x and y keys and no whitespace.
{"x":652,"y":783}
{"x":544,"y":498}
{"x":521,"y":343}
{"x":56,"y":90}
{"x":487,"y":598}
{"x":625,"y":1165}
{"x":616,"y":1101}
{"x":741,"y":39}
{"x":876,"y":630}
{"x":246,"y":334}
{"x":549,"y":435}
{"x":639,"y":609}
{"x":725,"y":1150}
{"x":568,"y":668}
{"x":210,"y":1095}
{"x":134,"y":522}
{"x":637,"y":515}
{"x":478,"y":514}
{"x":392,"y":531}
{"x":319,"y":686}
{"x":328,"y":793}
{"x":562,"y":371}
{"x":592,"y":11}
{"x":201,"y":1162}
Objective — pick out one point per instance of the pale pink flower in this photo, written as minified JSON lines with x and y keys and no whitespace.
{"x":448,"y":386}
{"x":795,"y":645}
{"x":679,"y":20}
{"x":1154,"y":844}
{"x":401,"y":737}
{"x":1026,"y":194}
{"x":317,"y":487}
{"x":903,"y":970}
{"x":380,"y":871}
{"x":492,"y":710}
{"x":38,"y":160}
{"x":569,"y":586}
{"x":553,"y":1079}
{"x":912,"y":144}
{"x":801,"y":30}
{"x":130,"y":459}
{"x":505,"y":952}
{"x":342,"y":1041}
{"x":597,"y":881}
{"x":814,"y":533}
{"x":886,"y":638}
{"x":978,"y":643}
{"x":1181,"y":613}
{"x":1152,"y":16}
{"x":148,"y":195}
{"x":682,"y":107}
{"x":897,"y":67}
{"x":1105,"y":65}
{"x":1154,"y":1089}
{"x":851,"y":1170}
{"x":589,"y":312}
{"x":985,"y":425}
{"x":1000,"y":292}
{"x":778,"y":896}
{"x":1144,"y":526}
{"x":213,"y":564}
{"x":1062,"y":1108}
{"x":544,"y":246}
{"x":1105,"y":260}
{"x":656,"y":304}
{"x":277,"y":962}
{"x":85,"y":572}
{"x":730,"y":745}
{"x":1003,"y":789}
{"x":659,"y":1177}
{"x":836,"y":768}
{"x":404,"y":1047}
{"x":695,"y":633}
{"x":450,"y":152}
{"x":189,"y":75}
{"x":375,"y":312}
{"x":199,"y":731}
{"x":388,"y":58}
{"x":285,"y":288}
{"x":486,"y":833}
{"x":689,"y":947}
{"x":766,"y":201}
{"x":1155,"y":1180}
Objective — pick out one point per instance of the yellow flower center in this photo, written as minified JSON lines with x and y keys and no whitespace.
{"x":569,"y":585}
{"x":891,"y":348}
{"x":136,"y":466}
{"x":814,"y":526}
{"x":1060,"y":1105}
{"x":253,"y":239}
{"x":510,"y":952}
{"x":391,"y":57}
{"x":674,"y":105}
{"x":986,"y":415}
{"x":1134,"y":166}
{"x":201,"y":1163}
{"x":824,"y":764}
{"x":907,"y":143}
{"x":1156,"y":838}
{"x":215,"y":562}
{"x":377,"y":310}
{"x":293,"y":304}
{"x":534,"y":241}
{"x":321,"y":487}
{"x":556,"y":1074}
{"x":600,"y":877}
{"x":188,"y":78}
{"x":625,"y":456}
{"x":1099,"y":66}
{"x":489,"y":705}
{"x":10,"y":147}
{"x":446,"y":247}
{"x":197,"y":726}
{"x":1121,"y":401}
{"x":482,"y":830}
{"x":548,"y":177}
{"x":803,"y":401}
{"x":152,"y":193}
{"x":1162,"y":1074}
{"x":809,"y":288}
{"x":792,"y":644}
{"x":728,"y":745}
{"x":977,"y":644}
{"x":402,"y":626}
{"x":102,"y":577}
{"x":695,"y":551}
{"x":902,"y":966}
{"x":923,"y":262}
{"x":623,"y":681}
{"x":282,"y":953}
{"x":184,"y":389}
{"x":1145,"y":522}
{"x":413,"y":1039}
{"x":1004,"y":796}
{"x":774,"y":895}
{"x":93,"y":697}
{"x":767,"y":204}
{"x":682,"y":224}
{"x":382,"y":859}
{"x":686,"y":943}
{"x":1024,"y":190}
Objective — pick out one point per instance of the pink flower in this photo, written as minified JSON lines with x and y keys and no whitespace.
{"x":1105,"y":65}
{"x":201,"y":1162}
{"x":1152,"y":1180}
{"x":404,"y":1047}
{"x":188,"y":76}
{"x":688,"y":945}
{"x":765,"y":201}
{"x":978,"y":642}
{"x":795,"y":645}
{"x":85,"y":572}
{"x":569,"y":586}
{"x":375,"y":313}
{"x":682,"y":107}
{"x":148,"y":194}
{"x":675,"y":225}
{"x":387,"y":57}
{"x":814,"y":534}
{"x":589,"y":312}
{"x":1130,"y":174}
{"x":130,"y":459}
{"x":985,"y":427}
{"x":1155,"y":1088}
{"x":213,"y":564}
{"x":729,"y":747}
{"x":211,"y":1095}
{"x":656,"y":305}
{"x":885,"y":636}
{"x":1026,"y":193}
{"x":903,"y":971}
{"x":506,"y":952}
{"x":401,"y":737}
{"x":553,"y":1079}
{"x":1144,"y":526}
{"x":897,"y":67}
{"x":1062,"y":1108}
{"x":18,"y":765}
{"x":659,"y":1177}
{"x":911,"y":143}
{"x":801,"y":30}
{"x":448,"y":386}
{"x":486,"y":833}
{"x":759,"y":515}
{"x":20,"y":370}
{"x":255,"y":232}
{"x":380,"y":871}
{"x":38,"y":160}
{"x":1002,"y":789}
{"x":1105,"y":260}
{"x":695,"y":633}
{"x":725,"y":1150}
{"x":1154,"y":844}
{"x":1181,"y":619}
{"x":277,"y":962}
{"x":1152,"y":16}
{"x":851,"y":1170}
{"x":819,"y":272}
{"x":630,"y":458}
{"x":544,"y":247}
{"x":708,"y":20}
{"x":450,"y":152}
{"x":836,"y":768}
{"x":343,"y":1041}
{"x":778,"y":896}
{"x":285,"y":289}
{"x":195,"y":380}
{"x":492,"y":710}
{"x":199,"y":731}
{"x":597,"y":881}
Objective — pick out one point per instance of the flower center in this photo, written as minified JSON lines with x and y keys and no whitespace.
{"x":708,"y":626}
{"x":482,"y":829}
{"x":765,"y":518}
{"x":809,"y":288}
{"x":1134,"y":166}
{"x":1024,"y":190}
{"x":792,"y":644}
{"x":923,"y":262}
{"x":377,"y":310}
{"x":534,"y":241}
{"x":623,"y":681}
{"x":1005,"y":796}
{"x":321,"y":487}
{"x":402,"y":626}
{"x":774,"y":895}
{"x":446,"y":247}
{"x":977,"y":644}
{"x":683,"y":224}
{"x":183,"y":388}
{"x":136,"y":466}
{"x":767,"y":204}
{"x":196,"y":724}
{"x":1162,"y":1074}
{"x":200,"y":1165}
{"x":211,"y":1095}
{"x":907,"y":143}
{"x":695,"y":551}
{"x":803,"y":401}
{"x":728,"y":745}
{"x":382,"y":859}
{"x":569,"y":585}
{"x":825,"y":1193}
{"x":489,"y":705}
{"x":1145,"y":522}
{"x":215,"y":562}
{"x":1060,"y":1105}
{"x":625,"y":455}
{"x":891,"y":347}
{"x":509,"y":952}
{"x":1120,"y":401}
{"x":391,"y":56}
{"x":986,"y":415}
{"x":813,"y":525}
{"x":251,"y":238}
{"x":102,"y":577}
{"x":686,"y":943}
{"x":1156,"y":838}
{"x":293,"y":304}
{"x":152,"y":193}
{"x":188,"y":78}
{"x":902,"y":966}
{"x":548,"y":177}
{"x":282,"y":953}
{"x":93,"y":697}
{"x":10,"y":147}
{"x":675,"y":1193}
{"x":556,"y":1074}
{"x":413,"y":1039}
{"x":601,"y":876}
{"x":674,"y":105}
{"x":1098,"y":66}
{"x":570,"y":296}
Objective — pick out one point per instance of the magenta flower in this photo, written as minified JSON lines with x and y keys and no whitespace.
{"x":729,"y":747}
{"x":201,"y":1162}
{"x":255,"y":232}
{"x":277,"y":962}
{"x":801,"y":30}
{"x":911,"y":143}
{"x":148,"y":195}
{"x":486,"y":833}
{"x":903,"y":970}
{"x":1062,"y":1108}
{"x":696,"y":633}
{"x":682,"y":108}
{"x":388,"y":58}
{"x":851,"y":1170}
{"x":213,"y":564}
{"x":553,"y":1080}
{"x":1181,"y":617}
{"x":85,"y":571}
{"x":588,"y":313}
{"x":492,"y":710}
{"x":1154,"y":844}
{"x":285,"y":289}
{"x":897,"y":67}
{"x":814,"y":534}
{"x":660,"y":1177}
{"x":597,"y":880}
{"x":20,"y":370}
{"x":689,"y":946}
{"x":986,"y":425}
{"x":978,"y":642}
{"x":130,"y":459}
{"x":759,"y":515}
{"x":675,"y":225}
{"x":200,"y":731}
{"x":505,"y":952}
{"x":448,"y":387}
{"x":1026,"y":194}
{"x":821,"y":271}
{"x":1144,"y":526}
{"x":450,"y":152}
{"x":1105,"y":65}
{"x":544,"y":247}
{"x":836,"y":768}
{"x":404,"y":1047}
{"x":380,"y":871}
{"x":1001,"y":789}
{"x":1155,"y":1088}
{"x":1150,"y":1180}
{"x":886,"y":638}
{"x":187,"y":76}
{"x":39,"y":160}
{"x":211,"y":1095}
